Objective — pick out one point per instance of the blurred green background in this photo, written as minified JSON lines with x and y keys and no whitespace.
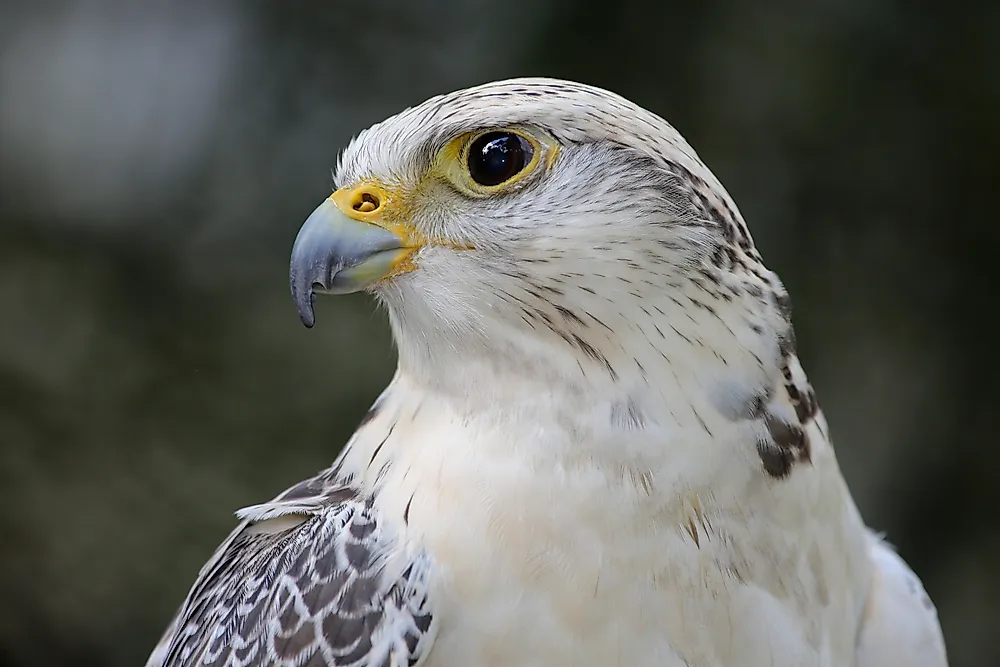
{"x":157,"y":158}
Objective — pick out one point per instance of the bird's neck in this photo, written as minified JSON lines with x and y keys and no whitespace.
{"x":531,"y":416}
{"x":659,"y":399}
{"x":665,"y":345}
{"x":661,"y":369}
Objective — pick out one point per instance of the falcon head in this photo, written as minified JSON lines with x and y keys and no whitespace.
{"x":545,"y":225}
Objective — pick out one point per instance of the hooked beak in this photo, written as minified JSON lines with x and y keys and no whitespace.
{"x":341,"y":248}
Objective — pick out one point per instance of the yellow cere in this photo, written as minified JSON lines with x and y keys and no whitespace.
{"x":375,"y":204}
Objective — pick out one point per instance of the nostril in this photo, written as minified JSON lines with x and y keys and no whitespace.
{"x":366,"y":203}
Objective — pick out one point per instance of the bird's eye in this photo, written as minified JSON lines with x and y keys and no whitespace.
{"x":497,"y":157}
{"x":491,"y":162}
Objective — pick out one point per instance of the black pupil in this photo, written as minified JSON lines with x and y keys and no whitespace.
{"x":497,"y":156}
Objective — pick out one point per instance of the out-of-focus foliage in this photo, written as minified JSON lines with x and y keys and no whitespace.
{"x":157,"y":158}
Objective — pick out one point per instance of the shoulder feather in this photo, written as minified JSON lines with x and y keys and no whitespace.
{"x":305,"y":582}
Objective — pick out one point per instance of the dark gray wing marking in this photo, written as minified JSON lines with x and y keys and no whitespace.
{"x":307,"y":589}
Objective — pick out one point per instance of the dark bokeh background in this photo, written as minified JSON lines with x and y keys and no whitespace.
{"x":157,"y":159}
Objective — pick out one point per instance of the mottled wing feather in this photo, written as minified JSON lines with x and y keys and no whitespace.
{"x":322,"y":587}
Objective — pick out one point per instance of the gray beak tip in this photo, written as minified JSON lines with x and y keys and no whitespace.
{"x":307,"y":317}
{"x":304,"y":294}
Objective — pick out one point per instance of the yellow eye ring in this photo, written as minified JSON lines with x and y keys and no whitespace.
{"x":495,"y":160}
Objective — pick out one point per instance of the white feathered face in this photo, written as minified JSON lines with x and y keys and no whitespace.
{"x":533,"y":210}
